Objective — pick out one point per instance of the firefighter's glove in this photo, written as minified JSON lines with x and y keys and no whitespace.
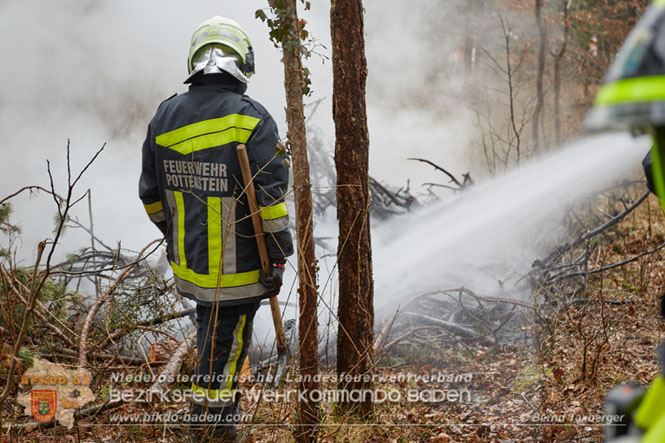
{"x":273,"y":281}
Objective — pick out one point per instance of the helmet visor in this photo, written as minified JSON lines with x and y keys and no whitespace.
{"x":216,"y":58}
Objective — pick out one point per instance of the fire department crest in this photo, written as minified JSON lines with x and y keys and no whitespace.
{"x":44,"y":404}
{"x":53,"y":391}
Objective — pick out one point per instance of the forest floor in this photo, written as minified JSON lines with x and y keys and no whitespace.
{"x":551,"y":389}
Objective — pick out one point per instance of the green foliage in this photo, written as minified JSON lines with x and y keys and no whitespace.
{"x":280,"y":149}
{"x":57,"y":220}
{"x":284,"y":150}
{"x":281,"y":34}
{"x":105,"y":393}
{"x":52,"y":294}
{"x":26,"y":356}
{"x":288,"y":146}
{"x":48,"y":348}
{"x":5,"y":226}
{"x":135,"y":301}
{"x":307,"y":81}
{"x":5,"y":212}
{"x":261,"y":15}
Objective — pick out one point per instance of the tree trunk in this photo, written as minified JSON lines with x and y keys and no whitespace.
{"x":558,"y":57}
{"x":538,"y":112}
{"x":356,"y":309}
{"x":306,"y":431}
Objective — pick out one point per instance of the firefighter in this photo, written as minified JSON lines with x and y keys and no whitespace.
{"x":633,"y":98}
{"x":191,"y":187}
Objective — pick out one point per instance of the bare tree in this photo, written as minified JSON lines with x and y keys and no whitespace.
{"x":502,"y":141}
{"x":356,"y":306}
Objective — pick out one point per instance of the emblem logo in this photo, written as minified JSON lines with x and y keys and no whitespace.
{"x":44,"y":404}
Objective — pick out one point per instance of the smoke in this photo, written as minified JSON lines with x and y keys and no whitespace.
{"x":94,"y":72}
{"x":415,"y":92}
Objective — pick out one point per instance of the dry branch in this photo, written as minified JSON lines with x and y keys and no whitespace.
{"x":153,"y":322}
{"x":95,"y":307}
{"x":557,"y":253}
{"x":493,"y":299}
{"x":172,"y":366}
{"x":27,"y":188}
{"x":383,"y":335}
{"x":435,"y":166}
{"x":559,"y":277}
{"x":448,"y":326}
{"x":102,"y":356}
{"x":37,"y":314}
{"x":407,"y":334}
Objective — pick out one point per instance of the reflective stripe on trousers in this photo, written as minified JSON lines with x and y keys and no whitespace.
{"x":216,"y":372}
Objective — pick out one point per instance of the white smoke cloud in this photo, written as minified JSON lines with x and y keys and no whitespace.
{"x":95,"y":71}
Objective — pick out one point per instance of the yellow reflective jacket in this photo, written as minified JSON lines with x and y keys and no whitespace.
{"x":191,"y":187}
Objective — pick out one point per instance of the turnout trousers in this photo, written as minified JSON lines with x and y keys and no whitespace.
{"x":223,"y":337}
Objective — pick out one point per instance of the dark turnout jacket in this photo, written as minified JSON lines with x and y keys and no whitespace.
{"x":191,"y":186}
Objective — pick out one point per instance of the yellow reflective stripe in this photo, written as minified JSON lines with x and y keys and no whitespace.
{"x":632,"y":90}
{"x":234,"y":362}
{"x":657,"y":172}
{"x":210,"y":281}
{"x":214,"y":235}
{"x":206,"y":127}
{"x":209,"y":133}
{"x":180,"y":208}
{"x":211,"y":140}
{"x":274,"y":211}
{"x":153,"y":207}
{"x":652,"y":407}
{"x":213,"y":394}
